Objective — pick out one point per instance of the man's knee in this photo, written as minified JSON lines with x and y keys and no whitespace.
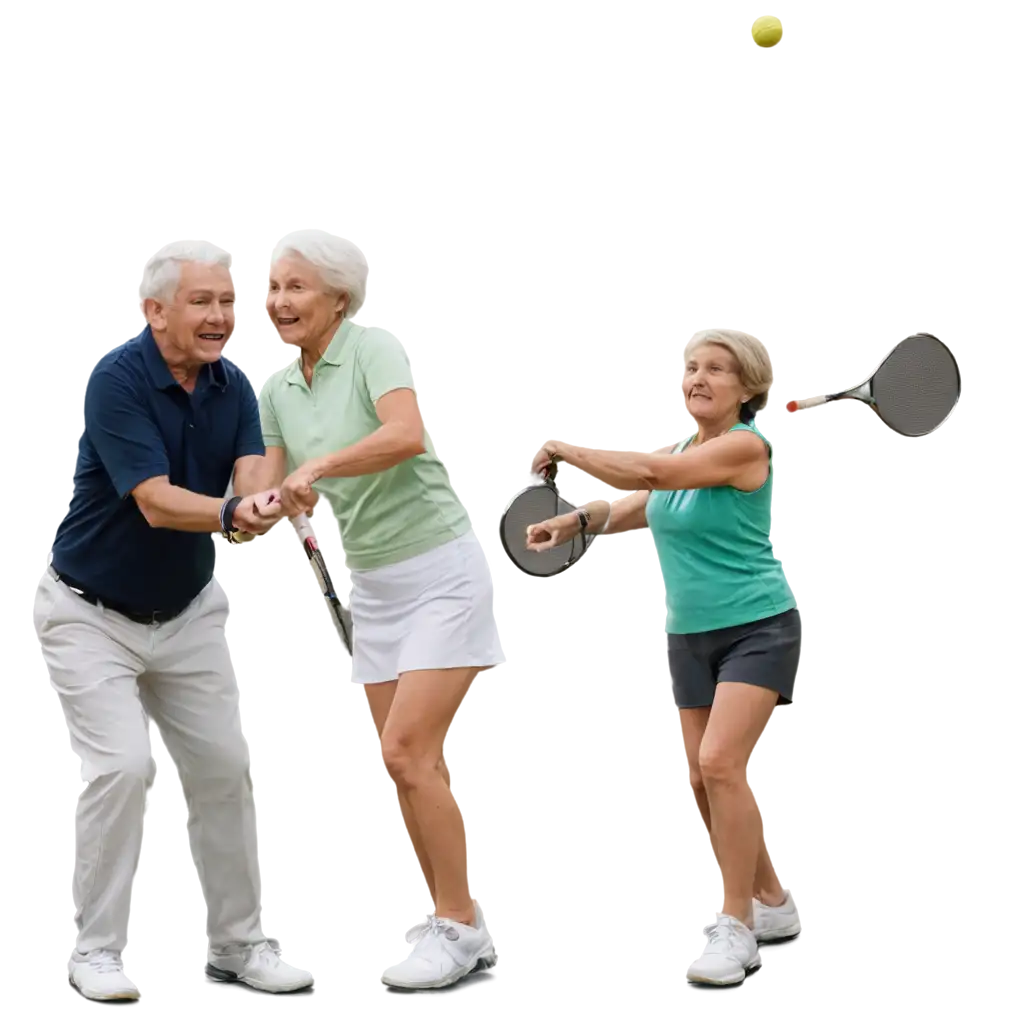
{"x":218,"y":768}
{"x":132,"y":770}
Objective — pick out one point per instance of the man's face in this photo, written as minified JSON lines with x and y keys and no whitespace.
{"x":198,"y":321}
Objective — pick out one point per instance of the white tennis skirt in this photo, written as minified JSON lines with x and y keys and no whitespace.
{"x":432,"y":611}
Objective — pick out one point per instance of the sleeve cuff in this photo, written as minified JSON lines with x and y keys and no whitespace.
{"x":128,"y":480}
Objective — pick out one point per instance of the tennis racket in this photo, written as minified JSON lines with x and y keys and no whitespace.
{"x":535,"y":504}
{"x":341,"y":616}
{"x":913,"y":390}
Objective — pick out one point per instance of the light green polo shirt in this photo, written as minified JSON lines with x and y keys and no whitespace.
{"x":384,"y":517}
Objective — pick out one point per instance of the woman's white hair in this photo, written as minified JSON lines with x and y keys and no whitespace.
{"x":342,"y":266}
{"x":752,"y":357}
{"x":163,"y":269}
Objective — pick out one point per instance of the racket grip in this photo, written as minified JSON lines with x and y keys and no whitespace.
{"x":807,"y":403}
{"x":303,"y":527}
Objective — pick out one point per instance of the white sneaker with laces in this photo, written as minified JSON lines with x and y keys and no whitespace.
{"x":259,"y":966}
{"x":416,"y":929}
{"x":774,"y":924}
{"x":445,"y":952}
{"x":730,"y":955}
{"x":100,"y":975}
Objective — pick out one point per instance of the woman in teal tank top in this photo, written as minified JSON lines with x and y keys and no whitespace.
{"x":733,"y":626}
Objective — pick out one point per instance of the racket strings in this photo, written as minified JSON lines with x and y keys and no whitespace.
{"x":535,"y":505}
{"x":916,"y":388}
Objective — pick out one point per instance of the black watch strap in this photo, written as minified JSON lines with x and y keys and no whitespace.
{"x":227,"y":515}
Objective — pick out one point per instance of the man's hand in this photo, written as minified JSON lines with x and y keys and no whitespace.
{"x":297,"y":494}
{"x":257,"y":513}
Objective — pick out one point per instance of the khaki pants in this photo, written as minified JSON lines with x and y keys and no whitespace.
{"x":112,"y":676}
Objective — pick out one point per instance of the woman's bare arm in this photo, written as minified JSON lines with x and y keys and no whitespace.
{"x":617,"y":515}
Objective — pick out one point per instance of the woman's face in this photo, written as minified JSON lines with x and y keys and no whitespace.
{"x":303,"y":312}
{"x":711,"y":384}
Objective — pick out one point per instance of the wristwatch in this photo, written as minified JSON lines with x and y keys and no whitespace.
{"x":227,"y":515}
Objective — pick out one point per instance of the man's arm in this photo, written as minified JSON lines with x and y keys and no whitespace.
{"x":175,"y":508}
{"x":132,"y":450}
{"x":125,"y":435}
{"x":255,"y":473}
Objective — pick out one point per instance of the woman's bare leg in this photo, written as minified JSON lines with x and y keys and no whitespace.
{"x":412,"y":742}
{"x":692,"y":722}
{"x":380,"y":696}
{"x":737,"y":719}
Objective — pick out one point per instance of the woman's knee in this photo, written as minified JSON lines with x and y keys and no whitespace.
{"x":406,"y":762}
{"x":719,"y":766}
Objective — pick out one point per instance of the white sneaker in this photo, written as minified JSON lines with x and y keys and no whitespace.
{"x":730,"y":955}
{"x":415,"y":930}
{"x":100,"y":975}
{"x":774,"y":924}
{"x":259,"y":966}
{"x":445,"y":952}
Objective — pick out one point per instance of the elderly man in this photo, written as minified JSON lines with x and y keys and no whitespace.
{"x":131,"y":620}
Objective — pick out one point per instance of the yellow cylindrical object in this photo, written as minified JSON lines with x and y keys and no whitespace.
{"x":888,"y":32}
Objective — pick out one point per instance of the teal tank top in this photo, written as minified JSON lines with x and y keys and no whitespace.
{"x":716,"y":557}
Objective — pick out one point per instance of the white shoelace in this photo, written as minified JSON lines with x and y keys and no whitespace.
{"x":721,"y":937}
{"x":267,"y":952}
{"x":103,"y":961}
{"x":417,"y":932}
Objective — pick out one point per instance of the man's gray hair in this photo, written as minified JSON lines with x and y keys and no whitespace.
{"x":163,"y":269}
{"x":342,"y":266}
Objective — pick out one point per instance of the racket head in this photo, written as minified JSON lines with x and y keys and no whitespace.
{"x":535,"y":504}
{"x":338,"y":615}
{"x":917,"y":386}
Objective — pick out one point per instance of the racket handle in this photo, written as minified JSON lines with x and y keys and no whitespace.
{"x":303,"y":527}
{"x":807,"y":403}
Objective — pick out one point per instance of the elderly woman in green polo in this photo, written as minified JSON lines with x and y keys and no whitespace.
{"x":343,"y":418}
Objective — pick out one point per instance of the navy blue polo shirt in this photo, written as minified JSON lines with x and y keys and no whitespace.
{"x":141,"y":423}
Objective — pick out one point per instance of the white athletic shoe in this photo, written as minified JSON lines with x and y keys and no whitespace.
{"x":416,"y":929}
{"x":774,"y":924}
{"x":100,"y":975}
{"x":445,"y":952}
{"x":730,"y":955}
{"x":259,"y":966}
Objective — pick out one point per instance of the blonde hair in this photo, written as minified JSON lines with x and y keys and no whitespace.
{"x":752,"y":356}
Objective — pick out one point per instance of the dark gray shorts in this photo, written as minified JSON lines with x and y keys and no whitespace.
{"x":763,"y":653}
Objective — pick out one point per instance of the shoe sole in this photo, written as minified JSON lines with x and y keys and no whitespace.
{"x":482,"y":971}
{"x":719,"y":983}
{"x":117,"y":997}
{"x":779,"y":935}
{"x":124,"y":1001}
{"x":212,"y":979}
{"x":229,"y":977}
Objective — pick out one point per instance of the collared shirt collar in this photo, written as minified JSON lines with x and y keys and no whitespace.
{"x":334,"y":354}
{"x":160,"y":373}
